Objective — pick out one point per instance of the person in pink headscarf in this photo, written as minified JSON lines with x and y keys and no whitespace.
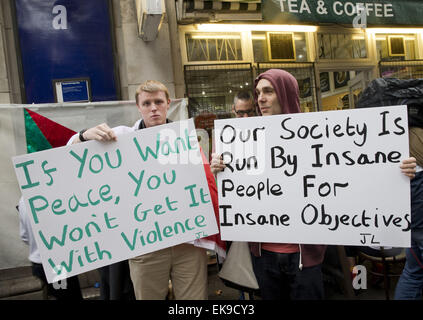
{"x":276,"y":92}
{"x":287,"y":270}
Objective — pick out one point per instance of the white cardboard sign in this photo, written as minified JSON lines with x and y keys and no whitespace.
{"x":93,"y":204}
{"x":316,"y":178}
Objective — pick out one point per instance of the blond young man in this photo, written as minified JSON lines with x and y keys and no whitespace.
{"x":184,"y":264}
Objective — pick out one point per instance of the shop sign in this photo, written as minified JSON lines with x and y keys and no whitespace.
{"x":358,"y":13}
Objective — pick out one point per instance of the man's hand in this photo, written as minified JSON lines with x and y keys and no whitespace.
{"x":408,"y":167}
{"x":102,"y":132}
{"x":216,"y":163}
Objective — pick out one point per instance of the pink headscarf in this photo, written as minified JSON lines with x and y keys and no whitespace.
{"x":286,"y":87}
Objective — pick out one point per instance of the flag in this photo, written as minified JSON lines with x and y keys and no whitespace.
{"x":43,"y":133}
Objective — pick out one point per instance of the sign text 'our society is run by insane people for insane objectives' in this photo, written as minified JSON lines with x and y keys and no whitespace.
{"x":317,"y":178}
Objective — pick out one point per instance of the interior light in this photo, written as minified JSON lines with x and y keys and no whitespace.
{"x":380,"y":38}
{"x":263,"y":37}
{"x":258,"y":37}
{"x":211,"y":27}
{"x":394,"y":30}
{"x":383,"y":38}
{"x":200,"y":36}
{"x":358,"y":37}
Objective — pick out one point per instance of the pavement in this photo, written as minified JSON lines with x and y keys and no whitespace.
{"x":375,"y":289}
{"x":19,"y":284}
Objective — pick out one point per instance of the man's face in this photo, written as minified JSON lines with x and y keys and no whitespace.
{"x":243,"y":108}
{"x":267,"y":98}
{"x":153,"y":107}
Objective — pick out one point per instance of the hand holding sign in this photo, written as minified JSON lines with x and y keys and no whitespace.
{"x":102,"y":132}
{"x":408,"y":167}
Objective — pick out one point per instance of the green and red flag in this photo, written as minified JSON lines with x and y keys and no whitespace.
{"x":43,"y":133}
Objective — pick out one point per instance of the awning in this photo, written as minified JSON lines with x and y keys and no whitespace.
{"x":222,"y":6}
{"x":206,"y":10}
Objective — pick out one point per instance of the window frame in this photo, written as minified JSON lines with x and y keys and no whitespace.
{"x":367,"y":42}
{"x":268,"y":33}
{"x":184,"y":30}
{"x":389,"y":37}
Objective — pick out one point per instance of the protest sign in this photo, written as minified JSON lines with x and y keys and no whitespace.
{"x":316,"y":178}
{"x":93,"y":204}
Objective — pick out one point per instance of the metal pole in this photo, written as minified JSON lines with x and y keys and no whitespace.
{"x":175,"y":49}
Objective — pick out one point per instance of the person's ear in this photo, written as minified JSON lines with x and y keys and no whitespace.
{"x":138,"y":106}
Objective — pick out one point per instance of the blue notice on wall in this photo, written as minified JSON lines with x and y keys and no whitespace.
{"x":72,"y":91}
{"x":66,"y":39}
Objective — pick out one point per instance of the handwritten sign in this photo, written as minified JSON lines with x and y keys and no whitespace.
{"x":316,"y":178}
{"x":93,"y":204}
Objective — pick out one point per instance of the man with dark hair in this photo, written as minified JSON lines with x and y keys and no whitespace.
{"x":287,"y":270}
{"x":243,"y":105}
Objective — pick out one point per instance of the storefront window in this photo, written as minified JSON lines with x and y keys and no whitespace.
{"x":211,"y":88}
{"x":395,"y":47}
{"x":279,"y":46}
{"x":341,"y":46}
{"x":213,"y":47}
{"x":342,"y":89}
